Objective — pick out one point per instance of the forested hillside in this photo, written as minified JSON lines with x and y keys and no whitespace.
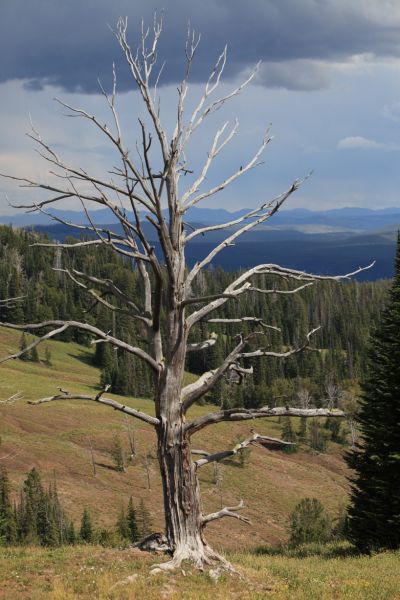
{"x":346,"y":313}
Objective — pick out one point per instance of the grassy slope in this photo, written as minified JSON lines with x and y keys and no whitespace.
{"x":53,"y":437}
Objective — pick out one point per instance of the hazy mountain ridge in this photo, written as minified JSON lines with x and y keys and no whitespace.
{"x":326,"y":242}
{"x":349,"y":218}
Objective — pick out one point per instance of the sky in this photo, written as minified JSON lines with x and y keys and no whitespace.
{"x":328,"y":87}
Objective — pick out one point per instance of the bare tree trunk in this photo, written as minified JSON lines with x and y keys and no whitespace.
{"x":183,"y":515}
{"x":92,"y":455}
{"x":181,"y":490}
{"x":147,"y":469}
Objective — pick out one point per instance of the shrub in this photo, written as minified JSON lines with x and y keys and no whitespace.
{"x":309,"y":522}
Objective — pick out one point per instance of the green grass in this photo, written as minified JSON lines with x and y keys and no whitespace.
{"x":99,"y":573}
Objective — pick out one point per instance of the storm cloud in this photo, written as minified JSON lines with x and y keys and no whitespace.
{"x":68,"y":43}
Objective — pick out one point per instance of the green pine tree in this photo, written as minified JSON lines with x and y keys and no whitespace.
{"x":8,"y":525}
{"x":374,"y":513}
{"x":317,"y":437}
{"x":34,"y":355}
{"x":71,"y":534}
{"x":118,"y":454}
{"x":86,"y":530}
{"x":143,"y":519}
{"x":47,"y":360}
{"x":132,"y":522}
{"x":309,"y":522}
{"x":31,"y":519}
{"x":288,"y":435}
{"x":22,"y":346}
{"x":123,"y":525}
{"x":302,"y":433}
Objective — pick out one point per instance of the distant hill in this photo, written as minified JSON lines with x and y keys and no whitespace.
{"x":324,"y":253}
{"x":341,"y":219}
{"x":333,"y":241}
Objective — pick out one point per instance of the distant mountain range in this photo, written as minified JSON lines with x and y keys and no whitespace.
{"x":341,"y":219}
{"x":327,"y":242}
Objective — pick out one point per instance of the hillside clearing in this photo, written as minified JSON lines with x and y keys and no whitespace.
{"x":54,"y":438}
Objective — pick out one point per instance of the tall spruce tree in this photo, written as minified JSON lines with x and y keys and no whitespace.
{"x":143,"y":520}
{"x":374,"y":514}
{"x":8,"y":526}
{"x":86,"y":530}
{"x":132,"y":522}
{"x":122,"y":524}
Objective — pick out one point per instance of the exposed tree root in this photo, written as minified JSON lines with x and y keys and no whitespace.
{"x":200,"y":559}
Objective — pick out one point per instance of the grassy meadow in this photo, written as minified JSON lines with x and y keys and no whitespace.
{"x":108,"y":574}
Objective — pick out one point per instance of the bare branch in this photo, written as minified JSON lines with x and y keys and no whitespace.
{"x":228,"y":511}
{"x":200,"y":113}
{"x":205,"y":345}
{"x":276,"y":291}
{"x":252,"y":213}
{"x":35,"y":343}
{"x":107,"y":242}
{"x":12,"y":399}
{"x":10,"y":302}
{"x":253,"y":440}
{"x":269,"y":209}
{"x":221,"y":186}
{"x":255,"y":320}
{"x":109,"y":287}
{"x":233,"y":289}
{"x":141,"y":75}
{"x":215,"y":150}
{"x":101,"y":400}
{"x":243,"y":414}
{"x":261,"y":352}
{"x":192,"y":392}
{"x":63,"y":325}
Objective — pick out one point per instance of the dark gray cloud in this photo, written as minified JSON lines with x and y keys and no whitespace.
{"x":67,"y":42}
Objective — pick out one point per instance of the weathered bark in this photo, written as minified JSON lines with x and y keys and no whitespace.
{"x":182,"y":504}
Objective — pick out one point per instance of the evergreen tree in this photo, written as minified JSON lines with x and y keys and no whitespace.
{"x":47,"y":354}
{"x":335,"y":428}
{"x":118,"y":454}
{"x":317,"y":436}
{"x":32,"y":512}
{"x":143,"y":518}
{"x":71,"y":535}
{"x":58,"y":523}
{"x":22,"y":346}
{"x":34,"y":355}
{"x":132,"y":522}
{"x":288,"y":435}
{"x":86,"y":530}
{"x":309,"y":522}
{"x":374,"y":513}
{"x":302,"y":433}
{"x":123,"y":525}
{"x":8,"y":526}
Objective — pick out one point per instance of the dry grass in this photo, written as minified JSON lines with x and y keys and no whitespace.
{"x":53,"y":437}
{"x":98,"y":573}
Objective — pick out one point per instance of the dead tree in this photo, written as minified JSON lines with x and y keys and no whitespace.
{"x":149,"y":182}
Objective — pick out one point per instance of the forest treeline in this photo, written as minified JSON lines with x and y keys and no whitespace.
{"x":37,"y":517}
{"x":347,"y":313}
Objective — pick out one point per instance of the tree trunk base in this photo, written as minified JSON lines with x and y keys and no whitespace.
{"x":200,"y":559}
